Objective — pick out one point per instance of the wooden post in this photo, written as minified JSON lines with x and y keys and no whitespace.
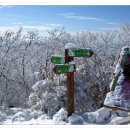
{"x":70,"y":86}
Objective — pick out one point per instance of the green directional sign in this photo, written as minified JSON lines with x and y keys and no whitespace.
{"x":79,"y":53}
{"x":64,"y":68}
{"x":57,"y":59}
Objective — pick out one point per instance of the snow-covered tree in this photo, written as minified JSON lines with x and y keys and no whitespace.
{"x":25,"y":60}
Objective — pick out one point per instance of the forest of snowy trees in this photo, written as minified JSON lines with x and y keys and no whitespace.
{"x":27,"y":79}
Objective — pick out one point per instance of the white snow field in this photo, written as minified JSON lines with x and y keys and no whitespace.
{"x":103,"y":116}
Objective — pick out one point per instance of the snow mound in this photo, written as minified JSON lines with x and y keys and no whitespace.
{"x":99,"y":116}
{"x":75,"y":119}
{"x":25,"y":115}
{"x":71,"y":46}
{"x":28,"y":117}
{"x":119,"y":121}
{"x":61,"y":117}
{"x":104,"y":116}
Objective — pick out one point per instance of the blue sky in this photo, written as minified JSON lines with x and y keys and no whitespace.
{"x":74,"y":18}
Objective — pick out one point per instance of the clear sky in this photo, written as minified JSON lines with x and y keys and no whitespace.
{"x":74,"y":18}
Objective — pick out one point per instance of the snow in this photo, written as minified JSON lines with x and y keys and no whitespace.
{"x":37,"y":74}
{"x":124,"y":50}
{"x":115,"y":99}
{"x":120,"y":120}
{"x":118,"y":69}
{"x":22,"y":116}
{"x":61,"y":90}
{"x":72,"y":63}
{"x":40,"y":85}
{"x":18,"y":116}
{"x":75,"y":119}
{"x":61,"y":117}
{"x":99,"y":116}
{"x":103,"y":116}
{"x":71,"y":46}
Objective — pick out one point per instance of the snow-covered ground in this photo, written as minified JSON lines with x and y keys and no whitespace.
{"x":102,"y":116}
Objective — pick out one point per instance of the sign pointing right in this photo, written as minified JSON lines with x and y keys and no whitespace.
{"x":80,"y":52}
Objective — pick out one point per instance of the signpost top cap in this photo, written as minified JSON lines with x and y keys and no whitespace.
{"x":71,"y":46}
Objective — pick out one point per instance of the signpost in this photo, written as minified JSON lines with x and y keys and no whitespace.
{"x":66,"y":65}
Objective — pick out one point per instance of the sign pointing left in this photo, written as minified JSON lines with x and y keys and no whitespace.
{"x":57,"y":59}
{"x":64,"y":68}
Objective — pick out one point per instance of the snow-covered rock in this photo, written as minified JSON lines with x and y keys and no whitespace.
{"x":120,"y":94}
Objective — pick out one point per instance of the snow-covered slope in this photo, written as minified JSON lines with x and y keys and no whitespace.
{"x":28,"y":117}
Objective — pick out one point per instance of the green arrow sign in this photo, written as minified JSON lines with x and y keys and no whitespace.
{"x":64,"y":68}
{"x":79,"y":53}
{"x":57,"y":59}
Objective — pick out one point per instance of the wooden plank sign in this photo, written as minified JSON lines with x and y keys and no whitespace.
{"x":79,"y":52}
{"x":57,"y":59}
{"x":64,"y":68}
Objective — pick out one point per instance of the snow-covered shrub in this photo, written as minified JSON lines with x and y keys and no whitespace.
{"x":25,"y":59}
{"x":26,"y":115}
{"x":47,"y":97}
{"x":2,"y":117}
{"x":103,"y":115}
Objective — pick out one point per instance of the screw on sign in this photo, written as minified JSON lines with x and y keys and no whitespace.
{"x":66,"y":65}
